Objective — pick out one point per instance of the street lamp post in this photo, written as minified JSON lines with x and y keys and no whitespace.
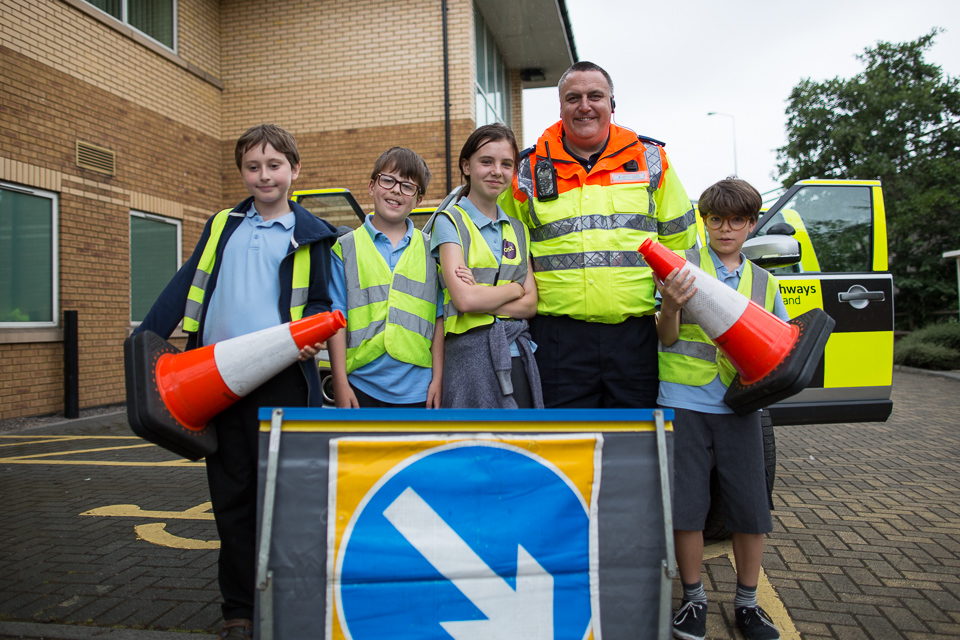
{"x":733,"y":123}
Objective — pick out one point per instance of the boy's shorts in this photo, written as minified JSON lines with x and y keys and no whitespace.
{"x":734,"y":445}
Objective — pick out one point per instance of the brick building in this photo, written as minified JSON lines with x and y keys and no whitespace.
{"x":118,"y":120}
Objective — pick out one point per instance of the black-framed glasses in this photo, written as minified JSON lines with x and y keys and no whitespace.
{"x":406,"y":188}
{"x":736,"y":223}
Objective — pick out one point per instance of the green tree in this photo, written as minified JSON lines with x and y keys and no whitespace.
{"x":897,"y":121}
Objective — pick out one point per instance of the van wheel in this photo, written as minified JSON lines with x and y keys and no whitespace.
{"x":326,"y":386}
{"x":715,"y":528}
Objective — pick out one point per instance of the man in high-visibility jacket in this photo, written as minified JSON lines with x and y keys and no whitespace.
{"x":591,"y":192}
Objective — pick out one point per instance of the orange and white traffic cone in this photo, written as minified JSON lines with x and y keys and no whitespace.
{"x":171,"y":396}
{"x":774,"y":359}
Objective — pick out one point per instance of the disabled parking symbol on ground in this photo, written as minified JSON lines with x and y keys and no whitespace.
{"x":468,"y":540}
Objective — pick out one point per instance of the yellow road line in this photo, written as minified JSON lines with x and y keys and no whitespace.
{"x":96,"y":463}
{"x":156,"y":534}
{"x":34,"y":456}
{"x":48,"y":438}
{"x":199,"y":512}
{"x":766,"y":595}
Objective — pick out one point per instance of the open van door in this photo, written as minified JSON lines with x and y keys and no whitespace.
{"x":840,"y":226}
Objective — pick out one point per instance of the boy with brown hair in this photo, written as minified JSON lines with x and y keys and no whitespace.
{"x":263,"y":263}
{"x":694,"y":375}
{"x":384,"y":281}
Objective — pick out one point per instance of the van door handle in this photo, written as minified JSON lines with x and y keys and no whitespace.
{"x":849,"y":296}
{"x":859,"y":297}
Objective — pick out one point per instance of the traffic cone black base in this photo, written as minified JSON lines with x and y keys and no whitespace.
{"x":147,"y":414}
{"x":792,"y":374}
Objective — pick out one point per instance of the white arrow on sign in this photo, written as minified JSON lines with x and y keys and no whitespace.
{"x":524,"y":614}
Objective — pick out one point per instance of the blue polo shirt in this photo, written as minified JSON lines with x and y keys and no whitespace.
{"x":709,"y":397}
{"x":247,"y":293}
{"x":386,"y":378}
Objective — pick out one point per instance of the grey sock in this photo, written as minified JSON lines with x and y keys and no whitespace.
{"x":746,"y":596}
{"x":694,"y":592}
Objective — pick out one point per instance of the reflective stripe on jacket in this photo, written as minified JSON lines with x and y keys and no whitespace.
{"x":694,"y":359}
{"x":392,"y":313}
{"x":191,"y":313}
{"x":584,"y":244}
{"x":480,"y":259}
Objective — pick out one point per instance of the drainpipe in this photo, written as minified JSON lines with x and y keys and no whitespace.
{"x":446,"y":98}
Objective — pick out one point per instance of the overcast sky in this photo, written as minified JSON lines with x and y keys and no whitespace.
{"x":674,"y":61}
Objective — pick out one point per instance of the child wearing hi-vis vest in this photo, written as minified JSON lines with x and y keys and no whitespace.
{"x":384,"y":280}
{"x":260,"y":264}
{"x":694,"y":375}
{"x":488,"y":285}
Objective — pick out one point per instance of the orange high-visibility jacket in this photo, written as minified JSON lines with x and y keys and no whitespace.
{"x":584,"y":244}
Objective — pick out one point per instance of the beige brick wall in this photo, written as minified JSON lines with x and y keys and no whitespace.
{"x":516,"y":104}
{"x":198,"y":34}
{"x":163,"y":167}
{"x":63,"y":38}
{"x":336,"y":65}
{"x":348,"y":79}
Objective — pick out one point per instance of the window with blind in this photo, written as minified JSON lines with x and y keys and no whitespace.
{"x":492,"y":92}
{"x":154,"y":18}
{"x":154,"y":259}
{"x":28,"y":256}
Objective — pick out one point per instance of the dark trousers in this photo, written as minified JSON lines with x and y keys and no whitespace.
{"x":595,"y":365}
{"x":367,"y":401}
{"x":232,"y":476}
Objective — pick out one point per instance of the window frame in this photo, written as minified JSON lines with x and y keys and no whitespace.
{"x":54,"y":198}
{"x":494,"y":68}
{"x":124,"y":20}
{"x":178,"y":225}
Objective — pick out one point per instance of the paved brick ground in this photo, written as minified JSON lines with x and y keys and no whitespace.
{"x":60,"y":567}
{"x":866,"y":541}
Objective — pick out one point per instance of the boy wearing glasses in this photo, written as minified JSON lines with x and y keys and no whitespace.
{"x":384,"y":280}
{"x":694,"y":375}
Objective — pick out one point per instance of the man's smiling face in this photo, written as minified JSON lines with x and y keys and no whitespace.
{"x":585,"y":110}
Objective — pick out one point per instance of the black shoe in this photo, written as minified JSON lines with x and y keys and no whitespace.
{"x":237,"y":628}
{"x":756,"y":624}
{"x":690,"y":621}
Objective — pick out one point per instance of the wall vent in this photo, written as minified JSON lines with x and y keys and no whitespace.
{"x":94,"y":158}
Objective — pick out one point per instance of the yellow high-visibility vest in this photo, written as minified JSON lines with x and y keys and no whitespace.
{"x":482,"y":262}
{"x":298,"y":295}
{"x":392,"y":313}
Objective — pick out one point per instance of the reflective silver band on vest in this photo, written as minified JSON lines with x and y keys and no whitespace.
{"x":698,"y":350}
{"x":758,"y":291}
{"x":411,"y":322}
{"x":192,"y":310}
{"x":593,"y":223}
{"x":525,"y":183}
{"x":654,"y":170}
{"x":200,"y":279}
{"x":356,"y":337}
{"x":398,"y":317}
{"x":588,"y":260}
{"x":677,"y":225}
{"x":419,"y":290}
{"x":654,"y":167}
{"x":298,"y":297}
